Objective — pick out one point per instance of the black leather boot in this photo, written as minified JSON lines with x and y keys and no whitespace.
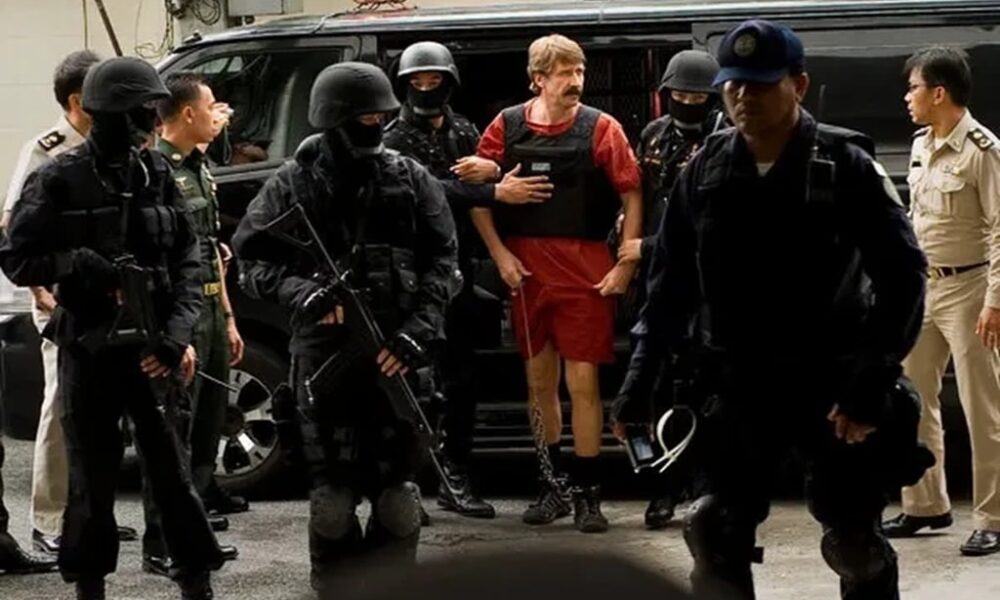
{"x":463,"y":500}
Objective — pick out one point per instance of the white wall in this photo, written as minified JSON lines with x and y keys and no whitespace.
{"x":36,"y":34}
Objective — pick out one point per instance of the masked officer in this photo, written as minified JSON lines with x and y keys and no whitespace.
{"x":108,"y":199}
{"x":955,"y":186}
{"x":799,"y":213}
{"x":665,"y":147}
{"x":388,"y":218}
{"x":428,"y":131}
{"x":188,"y":120}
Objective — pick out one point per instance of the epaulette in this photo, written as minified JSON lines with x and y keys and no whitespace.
{"x":921,"y":132}
{"x":981,"y":139}
{"x":51,"y":140}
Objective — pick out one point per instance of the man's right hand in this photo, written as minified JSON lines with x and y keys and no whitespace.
{"x":523,"y":190}
{"x":511,"y":269}
{"x":44,"y":299}
{"x":334,"y":317}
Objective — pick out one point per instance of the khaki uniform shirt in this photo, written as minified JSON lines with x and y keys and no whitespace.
{"x":37,"y":152}
{"x":955,"y":199}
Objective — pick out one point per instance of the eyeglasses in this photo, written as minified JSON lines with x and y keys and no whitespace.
{"x":914,"y":87}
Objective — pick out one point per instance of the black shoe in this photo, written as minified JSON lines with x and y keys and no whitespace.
{"x":981,"y":543}
{"x":196,"y":587}
{"x":161,"y":565}
{"x":220,"y":501}
{"x":550,"y":505}
{"x":659,"y":513}
{"x":425,"y":519}
{"x":90,"y":589}
{"x":44,"y":543}
{"x":15,"y":561}
{"x":904,"y":525}
{"x":218,"y":522}
{"x":464,"y":502}
{"x":127,"y":534}
{"x":587,"y":510}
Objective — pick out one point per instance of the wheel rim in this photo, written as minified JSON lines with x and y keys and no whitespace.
{"x":250,"y":434}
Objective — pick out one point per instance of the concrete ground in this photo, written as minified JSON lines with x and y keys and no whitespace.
{"x":274,"y":564}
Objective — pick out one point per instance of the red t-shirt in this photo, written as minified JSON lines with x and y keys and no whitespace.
{"x":563,"y":261}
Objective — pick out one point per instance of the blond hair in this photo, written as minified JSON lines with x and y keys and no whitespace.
{"x":545,"y":52}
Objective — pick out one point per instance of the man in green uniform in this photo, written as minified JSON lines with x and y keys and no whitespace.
{"x":191,"y":119}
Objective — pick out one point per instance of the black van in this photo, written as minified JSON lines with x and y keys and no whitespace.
{"x":855,"y":49}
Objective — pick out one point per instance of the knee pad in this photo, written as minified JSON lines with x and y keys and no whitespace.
{"x":856,"y":554}
{"x":397,"y":509}
{"x":717,"y":534}
{"x":331,"y":512}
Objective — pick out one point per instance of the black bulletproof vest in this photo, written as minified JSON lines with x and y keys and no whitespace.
{"x":584,"y":202}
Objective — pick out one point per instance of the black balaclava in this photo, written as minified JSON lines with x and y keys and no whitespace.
{"x":115,"y":134}
{"x":429,"y":103}
{"x":689,"y":117}
{"x":353,"y":141}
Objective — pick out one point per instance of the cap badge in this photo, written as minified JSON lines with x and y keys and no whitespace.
{"x":745,"y":45}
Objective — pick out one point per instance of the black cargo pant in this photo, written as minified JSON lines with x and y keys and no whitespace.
{"x":97,"y":389}
{"x":756,"y":419}
{"x":458,"y":376}
{"x":4,"y":515}
{"x":355,"y":448}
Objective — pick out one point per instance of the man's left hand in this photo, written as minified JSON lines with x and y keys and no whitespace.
{"x":475,"y":169}
{"x":848,"y":430}
{"x":617,"y":279}
{"x":235,"y":343}
{"x":389,"y":364}
{"x":189,"y":364}
{"x":988,"y":327}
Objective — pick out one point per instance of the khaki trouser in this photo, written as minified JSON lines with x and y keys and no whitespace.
{"x":953,"y":306}
{"x":50,"y":477}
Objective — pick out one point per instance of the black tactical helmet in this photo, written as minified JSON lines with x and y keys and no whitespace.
{"x":427,"y":56}
{"x":346,"y":90}
{"x":118,"y":85}
{"x":691,"y":71}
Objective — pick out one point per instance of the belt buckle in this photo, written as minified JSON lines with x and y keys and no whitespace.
{"x":212,"y":289}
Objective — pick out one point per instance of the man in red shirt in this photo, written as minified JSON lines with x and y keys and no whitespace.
{"x":555,"y":259}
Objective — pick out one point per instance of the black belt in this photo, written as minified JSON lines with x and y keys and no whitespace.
{"x":940,"y":272}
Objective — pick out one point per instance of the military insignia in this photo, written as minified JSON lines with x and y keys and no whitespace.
{"x":980,"y":139}
{"x":51,"y":140}
{"x":887,"y":185}
{"x":183,"y":185}
{"x":745,"y":45}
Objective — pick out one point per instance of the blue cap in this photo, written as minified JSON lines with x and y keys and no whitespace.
{"x":759,"y":51}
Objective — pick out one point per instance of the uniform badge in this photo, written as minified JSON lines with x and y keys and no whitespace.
{"x":51,"y":140}
{"x":980,"y":139}
{"x":745,"y":45}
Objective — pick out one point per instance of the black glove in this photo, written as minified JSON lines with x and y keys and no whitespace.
{"x":168,"y":351}
{"x":866,"y":398}
{"x":317,"y":304}
{"x":98,"y":273}
{"x":631,"y":409}
{"x":406,"y":350}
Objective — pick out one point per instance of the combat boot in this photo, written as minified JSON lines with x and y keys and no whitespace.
{"x":659,"y":513}
{"x":550,"y":505}
{"x":463,"y":501}
{"x":90,"y":589}
{"x":197,"y":586}
{"x":587,"y":510}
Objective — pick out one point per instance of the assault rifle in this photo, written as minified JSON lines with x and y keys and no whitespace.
{"x":366,"y":339}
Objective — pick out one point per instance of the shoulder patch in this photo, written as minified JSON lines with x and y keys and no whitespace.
{"x":981,"y":139}
{"x":921,"y":132}
{"x":51,"y":140}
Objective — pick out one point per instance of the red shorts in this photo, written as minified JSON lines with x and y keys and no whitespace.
{"x":558,"y":300}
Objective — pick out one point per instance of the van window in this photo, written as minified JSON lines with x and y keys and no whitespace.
{"x":269,"y":93}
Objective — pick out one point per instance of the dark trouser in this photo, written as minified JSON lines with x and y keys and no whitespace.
{"x":354,"y":447}
{"x":743,"y":433}
{"x":458,"y":377}
{"x":208,"y":399}
{"x":206,"y":418}
{"x":4,"y":516}
{"x":97,"y":389}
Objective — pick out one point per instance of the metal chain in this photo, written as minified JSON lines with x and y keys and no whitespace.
{"x":535,"y":411}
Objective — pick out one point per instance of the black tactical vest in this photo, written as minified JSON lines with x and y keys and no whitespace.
{"x":584,"y":202}
{"x":437,"y":150}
